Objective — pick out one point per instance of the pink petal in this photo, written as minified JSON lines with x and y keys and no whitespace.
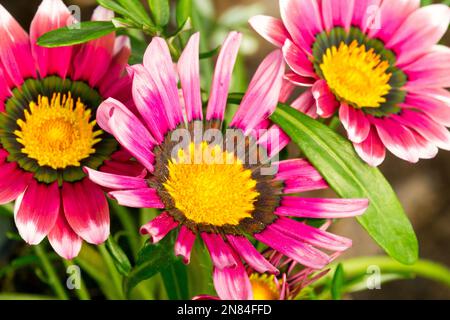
{"x":13,"y":182}
{"x":15,"y":52}
{"x":51,"y":15}
{"x":86,"y":210}
{"x":398,"y":139}
{"x":391,"y":15}
{"x":426,"y":26}
{"x":36,"y":211}
{"x":222,"y":77}
{"x":138,"y":198}
{"x":93,"y":58}
{"x":159,"y":65}
{"x":115,"y":118}
{"x":297,"y":60}
{"x":287,"y":88}
{"x":426,"y":148}
{"x":311,"y":235}
{"x":318,"y":208}
{"x":293,"y":248}
{"x":325,"y":99}
{"x":307,"y":104}
{"x":232,"y":283}
{"x":299,"y":80}
{"x":63,"y":239}
{"x":159,"y":227}
{"x":430,"y":70}
{"x":262,"y":95}
{"x":113,"y":181}
{"x":355,"y":122}
{"x":372,"y":149}
{"x":365,"y":14}
{"x":221,"y":253}
{"x":274,"y":140}
{"x":252,"y":256}
{"x":426,"y":127}
{"x":189,"y":72}
{"x":303,"y":21}
{"x":184,"y":244}
{"x":434,"y":102}
{"x":271,"y":29}
{"x":337,"y":13}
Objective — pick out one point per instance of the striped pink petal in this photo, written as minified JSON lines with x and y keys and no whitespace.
{"x":355,"y":122}
{"x":221,"y":253}
{"x":159,"y":227}
{"x":159,"y":65}
{"x":311,"y":235}
{"x":51,"y":14}
{"x":63,"y":239}
{"x":114,"y":181}
{"x":337,"y":13}
{"x":247,"y":251}
{"x":297,"y":60}
{"x":36,"y":211}
{"x":372,"y":149}
{"x":86,"y":210}
{"x":138,"y":198}
{"x":434,"y":102}
{"x":425,"y":148}
{"x":300,"y":80}
{"x":189,"y":72}
{"x":307,"y":104}
{"x":222,"y":77}
{"x":365,"y":14}
{"x":318,"y":208}
{"x":15,"y":50}
{"x":232,"y":283}
{"x":185,"y":242}
{"x":262,"y":95}
{"x":274,"y":140}
{"x":115,"y":118}
{"x":13,"y":182}
{"x":271,"y":29}
{"x":299,"y":175}
{"x":326,"y":102}
{"x":426,"y":26}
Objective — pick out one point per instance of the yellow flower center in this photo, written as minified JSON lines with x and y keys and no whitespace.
{"x":57,"y":133}
{"x":356,"y":76}
{"x":264,"y":287}
{"x":211,"y":186}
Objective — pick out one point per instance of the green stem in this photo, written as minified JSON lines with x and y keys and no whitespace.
{"x":51,"y":273}
{"x":116,"y":277}
{"x":130,"y":227}
{"x":82,"y":292}
{"x":422,"y":268}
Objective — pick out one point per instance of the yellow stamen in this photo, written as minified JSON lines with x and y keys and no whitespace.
{"x":211,"y":186}
{"x":57,"y":133}
{"x":264,"y":287}
{"x":355,"y":75}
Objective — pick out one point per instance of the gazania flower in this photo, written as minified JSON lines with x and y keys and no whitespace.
{"x":48,"y":100}
{"x":206,"y":186}
{"x":375,"y":63}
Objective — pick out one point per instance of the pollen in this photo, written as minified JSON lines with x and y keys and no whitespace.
{"x":57,"y":132}
{"x":356,"y":75}
{"x":211,"y":186}
{"x":264,"y":287}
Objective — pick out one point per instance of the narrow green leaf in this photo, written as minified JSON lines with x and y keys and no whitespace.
{"x":137,"y":10}
{"x":337,"y":283}
{"x":121,"y":260}
{"x":175,"y":280}
{"x":84,"y":32}
{"x":350,"y":177}
{"x":160,"y":10}
{"x":184,"y":11}
{"x":152,"y":259}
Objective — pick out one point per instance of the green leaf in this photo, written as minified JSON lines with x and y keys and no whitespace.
{"x":84,"y":32}
{"x":152,"y":259}
{"x":136,"y":9}
{"x":160,"y":10}
{"x":337,"y":283}
{"x":114,"y":6}
{"x":175,"y":279}
{"x":184,"y":11}
{"x":121,"y":260}
{"x":350,"y":177}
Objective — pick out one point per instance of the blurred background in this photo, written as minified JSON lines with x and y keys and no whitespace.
{"x":424,"y":188}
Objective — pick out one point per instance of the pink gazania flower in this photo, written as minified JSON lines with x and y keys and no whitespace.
{"x":374,"y":62}
{"x":48,"y":133}
{"x":227,"y":198}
